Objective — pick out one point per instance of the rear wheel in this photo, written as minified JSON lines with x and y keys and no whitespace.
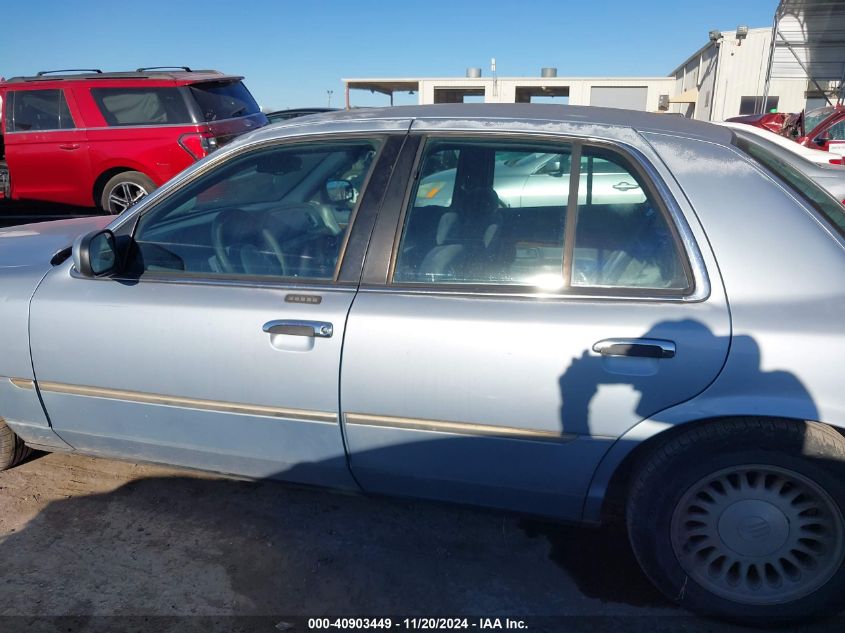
{"x":12,"y":449}
{"x":123,"y":190}
{"x":744,"y":520}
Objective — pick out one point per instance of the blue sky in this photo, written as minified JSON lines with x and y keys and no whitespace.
{"x":292,"y":52}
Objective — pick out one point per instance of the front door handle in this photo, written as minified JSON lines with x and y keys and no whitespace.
{"x":69,"y":146}
{"x":637,"y":347}
{"x":296,"y":327}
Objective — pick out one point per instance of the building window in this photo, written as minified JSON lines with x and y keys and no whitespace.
{"x":751,"y":105}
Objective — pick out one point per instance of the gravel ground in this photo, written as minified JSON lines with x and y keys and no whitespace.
{"x":88,"y":538}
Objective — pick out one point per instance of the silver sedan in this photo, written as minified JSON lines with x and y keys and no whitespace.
{"x":301,"y":306}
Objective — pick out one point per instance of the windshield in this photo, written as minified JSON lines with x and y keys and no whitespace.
{"x":805,"y":187}
{"x":224,"y":100}
{"x":814,"y":117}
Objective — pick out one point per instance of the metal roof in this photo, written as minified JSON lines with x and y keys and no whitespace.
{"x":809,"y":41}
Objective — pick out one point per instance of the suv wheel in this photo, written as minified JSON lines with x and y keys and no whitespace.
{"x":124,"y":190}
{"x":743,"y":519}
{"x":12,"y":449}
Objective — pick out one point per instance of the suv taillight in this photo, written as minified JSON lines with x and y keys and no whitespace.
{"x":198,"y":144}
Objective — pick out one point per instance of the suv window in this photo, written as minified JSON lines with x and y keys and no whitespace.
{"x":498,"y":216}
{"x":38,"y":110}
{"x":278,"y":212}
{"x":224,"y":100}
{"x":141,"y":106}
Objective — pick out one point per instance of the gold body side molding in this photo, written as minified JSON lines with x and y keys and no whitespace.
{"x":176,"y":401}
{"x":458,"y":428}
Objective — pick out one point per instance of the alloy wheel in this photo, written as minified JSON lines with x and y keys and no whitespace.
{"x":124,"y":195}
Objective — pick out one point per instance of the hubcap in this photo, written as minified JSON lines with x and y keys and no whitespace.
{"x":124,"y":195}
{"x":758,"y":534}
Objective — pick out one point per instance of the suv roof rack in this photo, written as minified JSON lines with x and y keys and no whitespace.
{"x":146,"y":68}
{"x":41,"y":73}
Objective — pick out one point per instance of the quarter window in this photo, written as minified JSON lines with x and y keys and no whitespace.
{"x":34,"y":110}
{"x":496,"y":213}
{"x":276,"y":212}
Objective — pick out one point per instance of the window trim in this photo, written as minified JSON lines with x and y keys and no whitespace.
{"x":128,"y":227}
{"x":698,"y":288}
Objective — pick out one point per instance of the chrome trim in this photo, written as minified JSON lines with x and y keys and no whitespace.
{"x":520,"y":292}
{"x":657,"y":348}
{"x":299,"y":327}
{"x":191,"y":403}
{"x":22,"y":383}
{"x":458,"y":428}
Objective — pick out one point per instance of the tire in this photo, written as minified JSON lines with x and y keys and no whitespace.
{"x":123,"y":190}
{"x":12,"y":449}
{"x":743,"y":520}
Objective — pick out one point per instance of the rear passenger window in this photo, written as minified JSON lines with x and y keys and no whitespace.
{"x":39,"y":110}
{"x":496,"y":213}
{"x":622,"y":239}
{"x":141,"y":106}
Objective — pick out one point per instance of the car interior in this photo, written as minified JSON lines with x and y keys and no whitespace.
{"x":268,"y":214}
{"x":479,"y":239}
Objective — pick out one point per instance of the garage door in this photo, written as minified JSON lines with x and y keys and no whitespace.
{"x":627,"y":97}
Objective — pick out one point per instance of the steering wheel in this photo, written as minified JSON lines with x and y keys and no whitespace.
{"x":237,"y":228}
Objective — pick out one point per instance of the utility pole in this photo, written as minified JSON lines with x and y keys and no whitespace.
{"x":330,"y":93}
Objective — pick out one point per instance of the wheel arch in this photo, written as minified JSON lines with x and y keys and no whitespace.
{"x":605,"y":500}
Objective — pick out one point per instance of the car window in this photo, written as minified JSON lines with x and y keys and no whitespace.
{"x":814,"y":117}
{"x":622,"y":238}
{"x":141,"y":106}
{"x":836,"y":132}
{"x":39,"y":110}
{"x":278,"y":212}
{"x":497,"y":215}
{"x":224,"y":100}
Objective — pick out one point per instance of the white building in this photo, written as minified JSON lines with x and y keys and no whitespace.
{"x":727,"y":77}
{"x":724,"y":78}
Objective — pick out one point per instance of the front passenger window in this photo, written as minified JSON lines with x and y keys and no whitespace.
{"x":275,"y":212}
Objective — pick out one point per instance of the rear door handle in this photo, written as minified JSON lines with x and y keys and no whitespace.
{"x":296,"y":327}
{"x":637,"y":347}
{"x":69,"y":146}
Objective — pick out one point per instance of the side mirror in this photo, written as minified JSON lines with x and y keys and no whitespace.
{"x":820,"y":140}
{"x":95,"y":254}
{"x":340,"y":191}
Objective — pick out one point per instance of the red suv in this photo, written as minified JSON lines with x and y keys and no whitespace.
{"x":90,"y":138}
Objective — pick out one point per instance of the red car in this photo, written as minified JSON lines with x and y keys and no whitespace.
{"x":822,"y":128}
{"x":108,"y":139}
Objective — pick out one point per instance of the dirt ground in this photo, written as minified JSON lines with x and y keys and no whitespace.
{"x":97,"y":540}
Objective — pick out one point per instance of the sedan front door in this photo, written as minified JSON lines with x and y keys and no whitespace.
{"x":219,"y":345}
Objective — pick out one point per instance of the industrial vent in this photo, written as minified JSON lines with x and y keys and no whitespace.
{"x":473,"y":73}
{"x":548,"y":72}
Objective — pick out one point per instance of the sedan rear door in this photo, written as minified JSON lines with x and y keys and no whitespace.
{"x":493,"y":354}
